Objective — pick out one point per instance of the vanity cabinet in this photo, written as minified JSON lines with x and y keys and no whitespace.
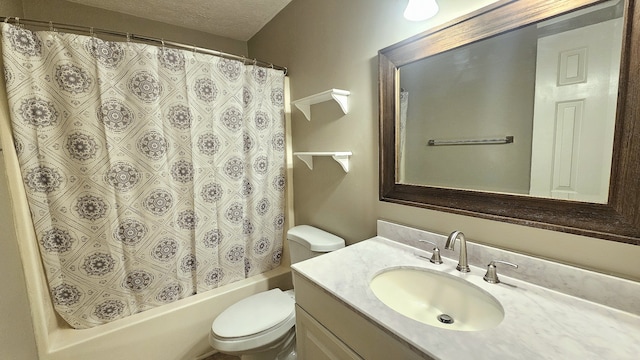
{"x":315,"y":342}
{"x":327,"y":328}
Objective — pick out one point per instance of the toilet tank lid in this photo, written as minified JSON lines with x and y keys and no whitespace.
{"x":315,"y":239}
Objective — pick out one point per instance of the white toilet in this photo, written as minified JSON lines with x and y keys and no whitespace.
{"x":262,"y":326}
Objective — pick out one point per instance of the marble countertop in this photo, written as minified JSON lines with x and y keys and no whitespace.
{"x":539,"y":323}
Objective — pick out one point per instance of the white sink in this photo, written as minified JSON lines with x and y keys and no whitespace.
{"x":437,"y":299}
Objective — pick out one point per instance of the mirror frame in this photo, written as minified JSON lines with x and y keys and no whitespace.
{"x":617,"y":220}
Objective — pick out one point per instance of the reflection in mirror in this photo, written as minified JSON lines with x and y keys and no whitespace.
{"x":526,"y":165}
{"x":529,"y":112}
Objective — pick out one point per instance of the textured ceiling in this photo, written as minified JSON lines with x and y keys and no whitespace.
{"x":234,"y":19}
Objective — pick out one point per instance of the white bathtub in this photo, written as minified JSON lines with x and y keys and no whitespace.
{"x":177,"y":331}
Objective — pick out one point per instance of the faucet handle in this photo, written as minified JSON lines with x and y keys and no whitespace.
{"x":492,"y":273}
{"x":435,"y":257}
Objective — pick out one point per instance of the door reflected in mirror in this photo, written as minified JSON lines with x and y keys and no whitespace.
{"x":529,"y":112}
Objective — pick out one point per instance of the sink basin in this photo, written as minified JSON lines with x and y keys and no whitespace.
{"x":437,"y":299}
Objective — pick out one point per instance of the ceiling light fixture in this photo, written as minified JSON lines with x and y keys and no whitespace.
{"x":419,"y":10}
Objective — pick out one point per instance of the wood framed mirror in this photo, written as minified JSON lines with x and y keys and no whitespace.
{"x":615,"y":218}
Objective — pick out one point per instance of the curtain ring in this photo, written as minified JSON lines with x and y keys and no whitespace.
{"x":195,"y":49}
{"x":52,"y":28}
{"x":128,"y":37}
{"x":162,"y":41}
{"x":286,"y":71}
{"x":271,"y":66}
{"x":17,"y":21}
{"x":91,"y":33}
{"x":6,"y":20}
{"x":254,"y":69}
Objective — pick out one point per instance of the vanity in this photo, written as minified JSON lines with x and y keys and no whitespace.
{"x":550,"y":310}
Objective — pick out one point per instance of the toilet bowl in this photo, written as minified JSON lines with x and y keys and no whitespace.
{"x":262,"y":326}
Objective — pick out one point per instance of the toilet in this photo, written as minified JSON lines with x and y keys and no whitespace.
{"x":262,"y":326}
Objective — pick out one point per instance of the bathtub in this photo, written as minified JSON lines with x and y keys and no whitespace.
{"x":177,"y":331}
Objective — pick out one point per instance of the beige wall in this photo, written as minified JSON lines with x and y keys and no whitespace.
{"x":483,"y":90}
{"x":16,"y":332}
{"x":17,"y":341}
{"x":11,"y":8}
{"x":333,"y":44}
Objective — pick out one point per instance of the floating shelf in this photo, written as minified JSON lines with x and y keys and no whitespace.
{"x":340,"y":96}
{"x":341,"y":157}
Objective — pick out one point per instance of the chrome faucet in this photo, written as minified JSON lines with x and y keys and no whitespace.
{"x":463,"y":266}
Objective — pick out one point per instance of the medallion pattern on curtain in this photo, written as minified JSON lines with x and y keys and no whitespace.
{"x":152,"y":173}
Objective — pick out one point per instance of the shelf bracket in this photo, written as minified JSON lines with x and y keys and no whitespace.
{"x":343,"y":160}
{"x":342,"y":99}
{"x":307,"y":159}
{"x":306,"y":110}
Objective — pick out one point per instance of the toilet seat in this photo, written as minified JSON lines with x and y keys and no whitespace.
{"x":254,"y":322}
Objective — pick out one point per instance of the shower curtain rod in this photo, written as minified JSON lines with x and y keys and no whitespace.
{"x":140,"y":38}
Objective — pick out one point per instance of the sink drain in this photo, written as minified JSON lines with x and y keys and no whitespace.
{"x":445,"y":319}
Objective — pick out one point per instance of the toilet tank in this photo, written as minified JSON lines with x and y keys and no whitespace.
{"x":306,"y":242}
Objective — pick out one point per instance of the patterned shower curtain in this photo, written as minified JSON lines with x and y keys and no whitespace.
{"x":152,"y":173}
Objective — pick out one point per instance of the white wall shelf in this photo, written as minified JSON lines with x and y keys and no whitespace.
{"x":341,"y":157}
{"x":340,"y":96}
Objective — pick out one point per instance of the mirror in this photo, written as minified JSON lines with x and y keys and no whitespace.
{"x":481,"y":116}
{"x":494,"y":115}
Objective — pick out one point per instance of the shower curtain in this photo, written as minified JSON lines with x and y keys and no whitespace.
{"x":151,"y":173}
{"x":402,"y":151}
